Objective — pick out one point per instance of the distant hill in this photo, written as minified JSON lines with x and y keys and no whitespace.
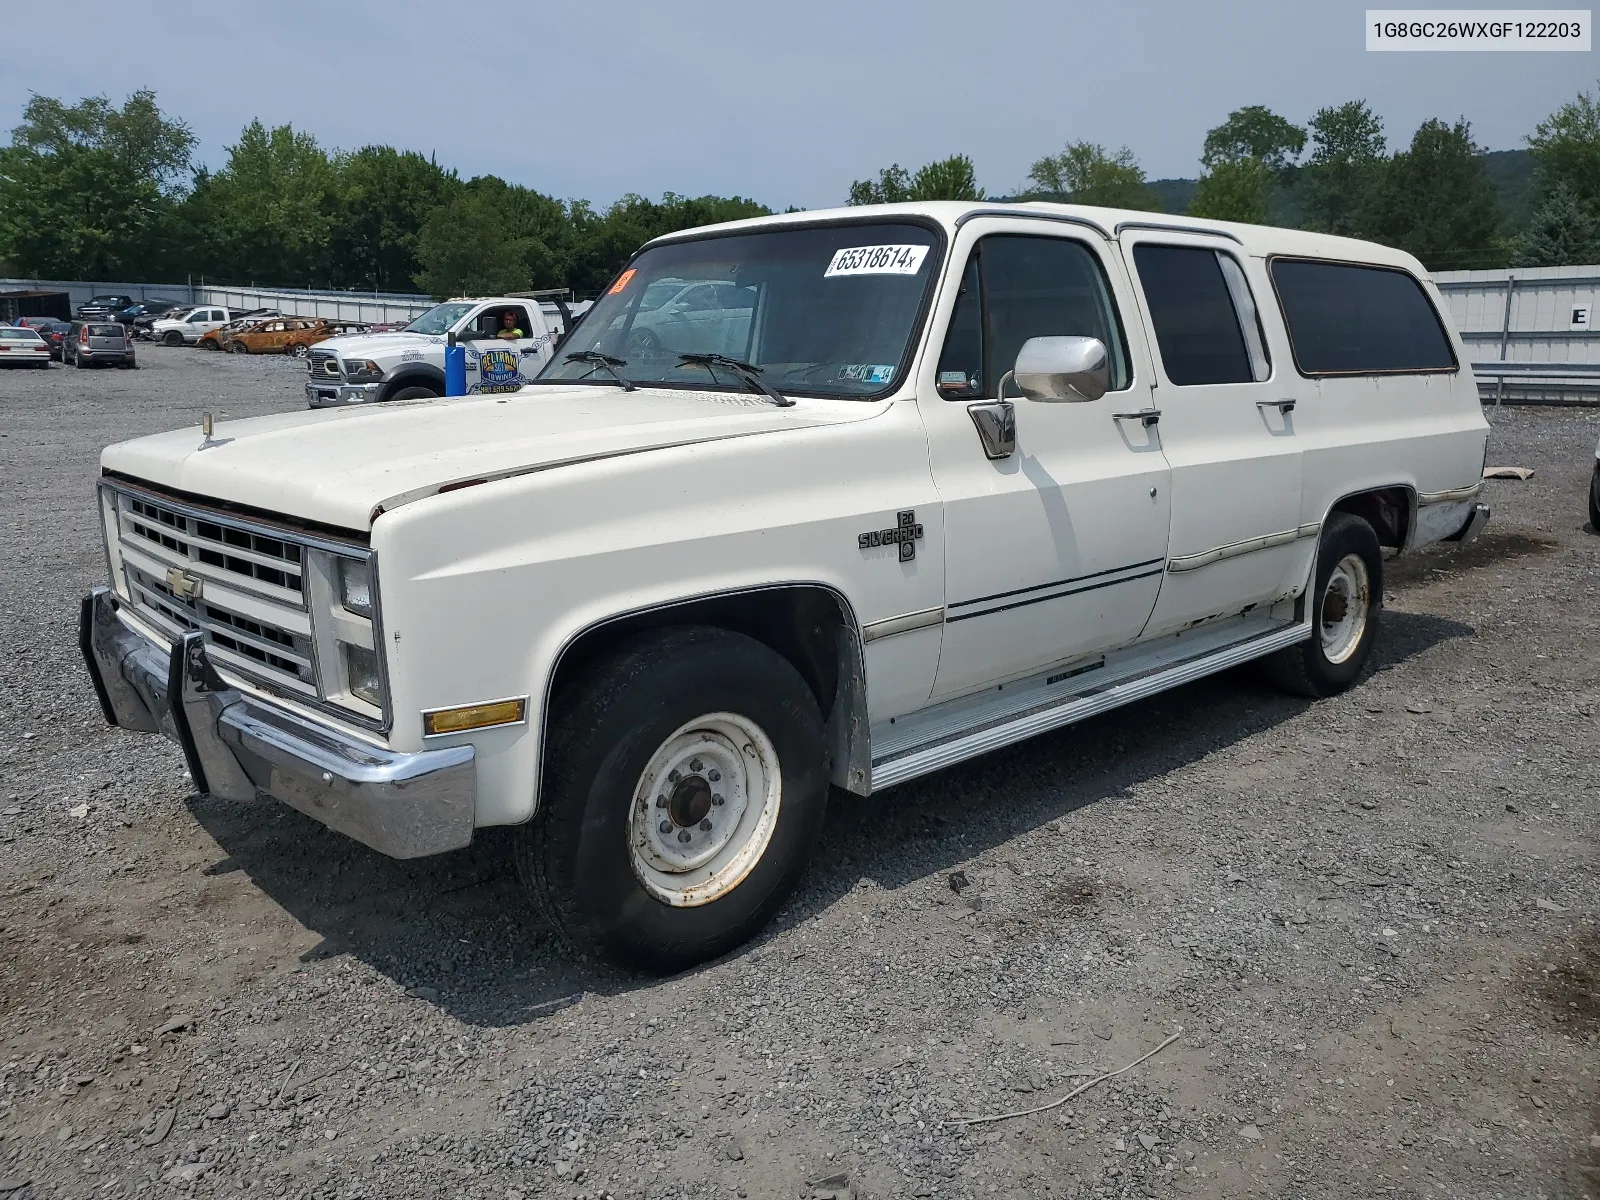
{"x":1511,"y":172}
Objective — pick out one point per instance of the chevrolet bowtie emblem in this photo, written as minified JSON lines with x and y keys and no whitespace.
{"x":182,"y":584}
{"x":904,"y":534}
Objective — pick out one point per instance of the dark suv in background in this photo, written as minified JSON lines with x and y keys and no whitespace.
{"x":105,"y":306}
{"x":92,"y":342}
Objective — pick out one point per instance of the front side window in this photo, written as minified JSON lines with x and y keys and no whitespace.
{"x":1203,"y":315}
{"x":1016,"y":287}
{"x":829,"y":310}
{"x":438,"y":319}
{"x":1345,"y":319}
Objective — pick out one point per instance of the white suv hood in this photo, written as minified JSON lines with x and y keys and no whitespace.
{"x":341,"y":466}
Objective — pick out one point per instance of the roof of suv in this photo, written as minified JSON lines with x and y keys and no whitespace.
{"x":1108,"y":222}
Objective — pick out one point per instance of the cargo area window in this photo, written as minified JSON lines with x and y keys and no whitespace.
{"x":1347,"y":319}
{"x":1204,"y":317}
{"x":1016,"y":287}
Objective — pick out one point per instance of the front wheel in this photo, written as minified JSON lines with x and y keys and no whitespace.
{"x":172,"y":338}
{"x":686,"y":781}
{"x":1345,"y":599}
{"x":300,"y":350}
{"x":414,"y":393}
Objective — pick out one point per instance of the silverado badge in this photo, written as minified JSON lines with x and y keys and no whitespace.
{"x":905,"y":534}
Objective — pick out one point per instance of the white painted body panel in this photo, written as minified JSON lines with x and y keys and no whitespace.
{"x":599,"y":503}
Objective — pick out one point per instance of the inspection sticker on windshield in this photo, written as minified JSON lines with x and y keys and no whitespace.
{"x":867,"y":373}
{"x":876,"y":260}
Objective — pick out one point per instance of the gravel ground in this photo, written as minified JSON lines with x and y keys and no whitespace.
{"x":1370,"y":921}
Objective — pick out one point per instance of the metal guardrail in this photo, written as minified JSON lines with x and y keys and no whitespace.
{"x":1575,"y":378}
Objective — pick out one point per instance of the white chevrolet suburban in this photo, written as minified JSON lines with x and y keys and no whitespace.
{"x":945,"y":476}
{"x":507,"y":340}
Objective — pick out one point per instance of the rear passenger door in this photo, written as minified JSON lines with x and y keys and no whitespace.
{"x":1227,"y":399}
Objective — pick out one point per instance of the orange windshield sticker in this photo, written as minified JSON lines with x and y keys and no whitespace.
{"x":622,"y":282}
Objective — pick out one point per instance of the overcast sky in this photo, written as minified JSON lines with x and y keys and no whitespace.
{"x":783,"y":103}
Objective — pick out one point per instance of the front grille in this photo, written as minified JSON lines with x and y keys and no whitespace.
{"x":241,"y":587}
{"x":238,"y":551}
{"x":323,"y":365}
{"x":264,"y":647}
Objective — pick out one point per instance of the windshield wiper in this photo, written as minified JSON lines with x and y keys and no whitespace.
{"x":748,"y":372}
{"x":606,"y":362}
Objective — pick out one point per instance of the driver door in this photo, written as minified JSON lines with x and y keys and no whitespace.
{"x":497,"y":364}
{"x":1054,"y":548}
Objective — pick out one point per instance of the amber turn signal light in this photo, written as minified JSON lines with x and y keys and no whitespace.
{"x":474,"y":716}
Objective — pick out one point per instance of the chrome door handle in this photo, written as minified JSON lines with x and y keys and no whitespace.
{"x":1147,"y":416}
{"x":1286,"y":405}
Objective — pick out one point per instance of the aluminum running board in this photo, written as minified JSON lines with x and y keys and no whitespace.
{"x":964,"y":728}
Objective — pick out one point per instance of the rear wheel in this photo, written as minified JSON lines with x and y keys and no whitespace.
{"x":686,"y":782}
{"x":77,"y":360}
{"x":1345,"y":599}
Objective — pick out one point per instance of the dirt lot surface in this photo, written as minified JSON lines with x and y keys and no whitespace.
{"x":1370,"y":922}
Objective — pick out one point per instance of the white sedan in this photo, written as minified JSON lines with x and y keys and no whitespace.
{"x":22,"y":347}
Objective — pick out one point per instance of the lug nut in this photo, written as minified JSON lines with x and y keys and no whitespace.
{"x":706,"y":825}
{"x":683,"y":835}
{"x":694,"y":764}
{"x":666,"y":827}
{"x":714,"y":775}
{"x":672,"y":775}
{"x":661,"y":801}
{"x":716,"y":798}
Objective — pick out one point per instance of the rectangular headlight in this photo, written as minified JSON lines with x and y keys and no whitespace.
{"x":355,"y":586}
{"x":361,"y":674}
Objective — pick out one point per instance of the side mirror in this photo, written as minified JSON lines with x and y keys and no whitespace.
{"x":1053,"y":369}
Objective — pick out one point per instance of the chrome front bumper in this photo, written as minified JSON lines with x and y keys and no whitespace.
{"x":237,"y":745}
{"x":333,"y":394}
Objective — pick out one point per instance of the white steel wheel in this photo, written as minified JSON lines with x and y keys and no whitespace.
{"x":1346,"y":600}
{"x":704,"y":809}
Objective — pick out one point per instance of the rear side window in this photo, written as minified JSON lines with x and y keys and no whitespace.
{"x":1204,"y":317}
{"x":1352,"y":320}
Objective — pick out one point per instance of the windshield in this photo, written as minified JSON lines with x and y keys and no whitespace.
{"x":828,"y":311}
{"x":438,"y":319}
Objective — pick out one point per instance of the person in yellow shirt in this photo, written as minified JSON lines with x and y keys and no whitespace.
{"x":508,"y":326}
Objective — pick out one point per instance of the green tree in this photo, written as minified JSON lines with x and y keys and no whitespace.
{"x":1562,"y":233}
{"x":1346,"y":163}
{"x":384,"y":197}
{"x":1435,"y":201}
{"x":493,"y":236}
{"x":88,"y":190}
{"x":602,"y":242}
{"x":1086,"y":173}
{"x":1566,"y":150}
{"x":950,"y":178}
{"x":1238,"y":190}
{"x":1254,"y":132}
{"x":268,"y":215}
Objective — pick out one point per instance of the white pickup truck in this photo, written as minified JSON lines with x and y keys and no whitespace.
{"x":938,"y":478}
{"x":508,"y":339}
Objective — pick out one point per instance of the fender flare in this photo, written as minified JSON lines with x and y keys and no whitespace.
{"x":413,"y":375}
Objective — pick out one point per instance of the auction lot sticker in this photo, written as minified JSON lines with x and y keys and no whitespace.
{"x":1516,"y":29}
{"x":876,"y":260}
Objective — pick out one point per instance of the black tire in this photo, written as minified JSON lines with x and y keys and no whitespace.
{"x":172,"y":337}
{"x":1306,"y":669}
{"x":644,"y":343}
{"x":415,"y":392}
{"x":77,"y":361}
{"x":575,"y":855}
{"x":1594,"y":501}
